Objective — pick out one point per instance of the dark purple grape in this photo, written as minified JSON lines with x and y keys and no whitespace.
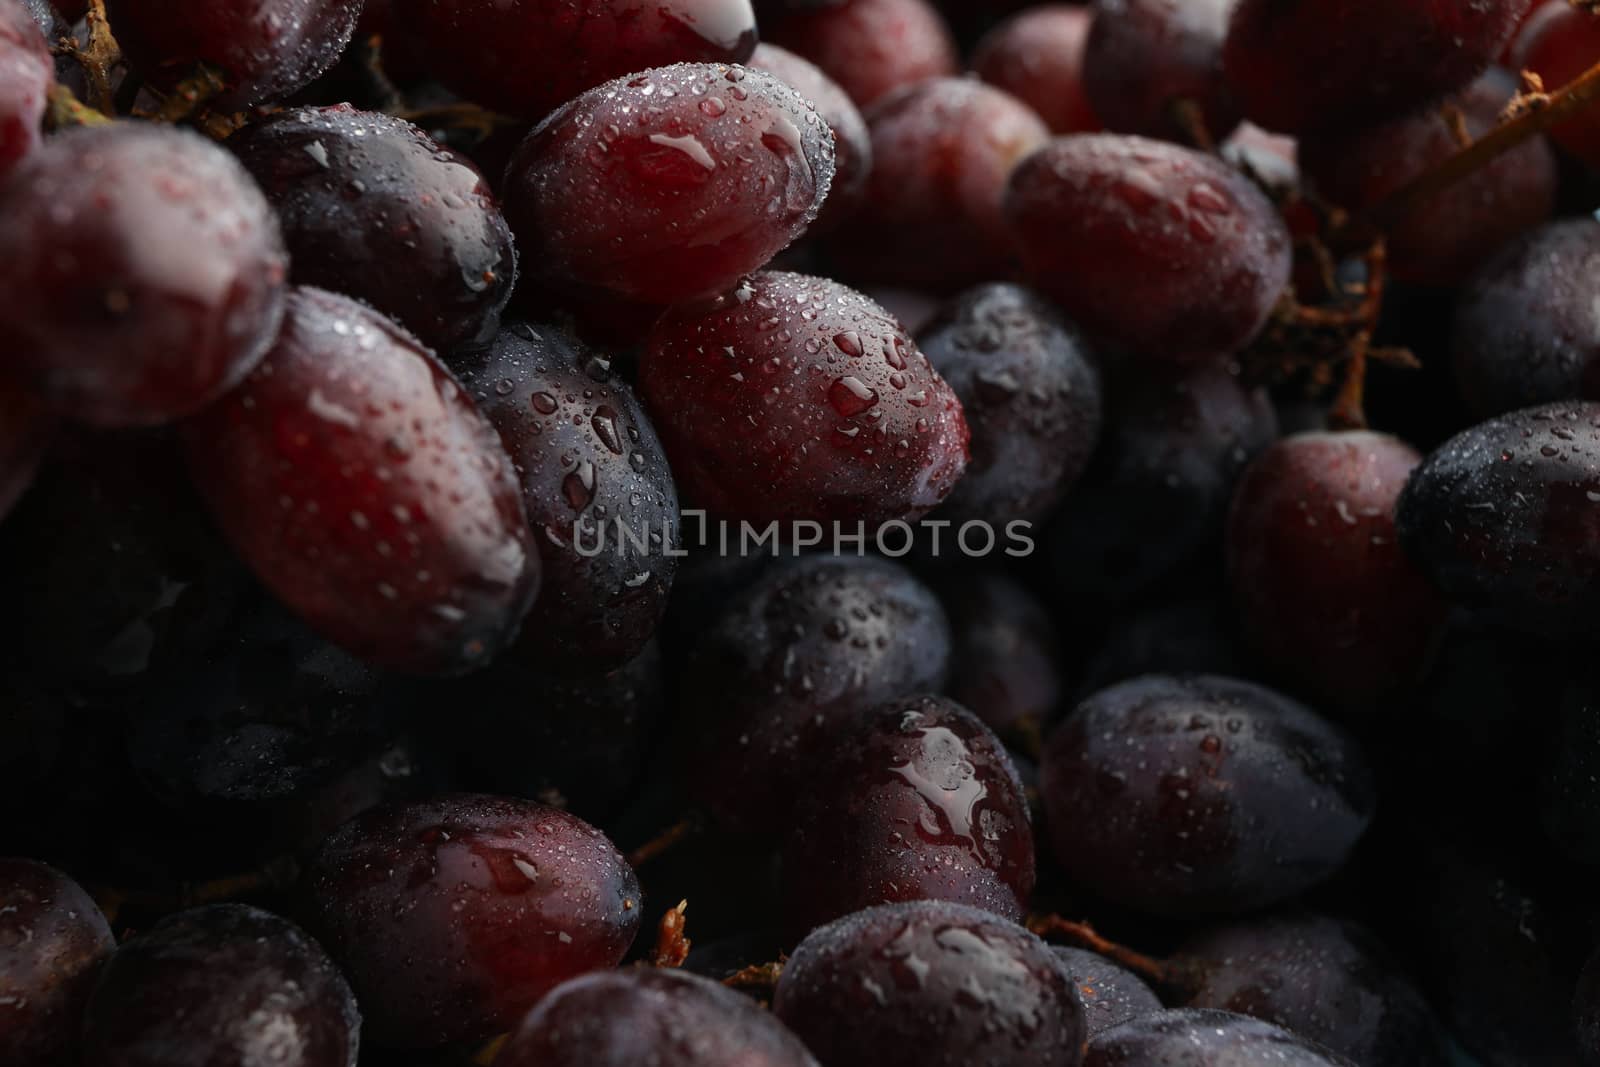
{"x":871,"y":47}
{"x":597,"y":489}
{"x":528,"y":57}
{"x":1201,"y":795}
{"x":930,"y":984}
{"x":53,"y":941}
{"x":1197,"y":1038}
{"x":657,"y":1016}
{"x":373,"y":208}
{"x":1501,"y":516}
{"x":1322,"y":978}
{"x":455,"y":916}
{"x":797,"y":657}
{"x":264,"y":49}
{"x":26,"y":74}
{"x":921,"y":802}
{"x":1031,"y":396}
{"x":1145,"y":60}
{"x":369,"y":494}
{"x":852,"y":144}
{"x":1110,"y":995}
{"x":24,"y":433}
{"x":1005,"y":659}
{"x":1526,"y":328}
{"x":1036,"y":55}
{"x":141,"y":272}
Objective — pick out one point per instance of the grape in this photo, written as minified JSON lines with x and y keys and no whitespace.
{"x":224,"y":984}
{"x":1005,"y":662}
{"x":1325,"y":64}
{"x":24,"y":433}
{"x":264,"y":49}
{"x":942,"y":150}
{"x":597,"y":490}
{"x":1270,"y":158}
{"x":1145,"y":59}
{"x":930,"y":984}
{"x":1194,"y":1038}
{"x":528,"y":57}
{"x":661,"y":1017}
{"x":852,"y":144}
{"x":1036,"y":55}
{"x":53,"y":940}
{"x":1109,"y":994}
{"x":373,"y":208}
{"x":454,"y":916}
{"x":1559,"y":45}
{"x":921,"y":802}
{"x":1526,"y":327}
{"x":363,"y":487}
{"x":1186,"y":636}
{"x":1500,"y":516}
{"x":1156,"y":495}
{"x":1150,"y":247}
{"x":26,"y":74}
{"x":870,"y":47}
{"x":1031,"y":396}
{"x":1444,"y":239}
{"x":1201,"y":795}
{"x":141,"y":272}
{"x":796,"y":656}
{"x":793,"y":398}
{"x":1324,"y":979}
{"x":1586,"y":1011}
{"x":668,"y":185}
{"x":1322,"y":588}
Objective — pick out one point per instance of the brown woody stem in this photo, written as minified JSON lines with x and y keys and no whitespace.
{"x":1157,"y":972}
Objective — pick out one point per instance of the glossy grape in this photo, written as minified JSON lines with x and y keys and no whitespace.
{"x":668,"y":185}
{"x":528,"y":57}
{"x":871,"y":47}
{"x":24,"y":432}
{"x":1150,"y":247}
{"x":1005,"y":662}
{"x":141,"y":273}
{"x":222,"y":985}
{"x":1559,"y":45}
{"x":1326,"y":64}
{"x":1201,"y":795}
{"x":1526,"y":328}
{"x":921,"y":802}
{"x":264,"y":49}
{"x":53,"y":941}
{"x":930,"y":984}
{"x":1036,"y":55}
{"x":372,"y":208}
{"x":794,"y":397}
{"x":852,"y":144}
{"x":1324,"y":592}
{"x":1197,"y":1038}
{"x":1031,"y":396}
{"x":454,"y":916}
{"x":1146,"y":59}
{"x":799,"y":655}
{"x":662,"y":1017}
{"x":942,"y":151}
{"x":597,"y":490}
{"x":1110,"y":995}
{"x":365,"y":489}
{"x":1499,"y":517}
{"x":26,"y":74}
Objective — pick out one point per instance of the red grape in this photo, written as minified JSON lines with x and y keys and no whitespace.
{"x":670,"y":184}
{"x":1037,"y":56}
{"x":930,"y":984}
{"x":24,"y":432}
{"x":371,"y":207}
{"x":794,"y":397}
{"x":454,"y":916}
{"x":852,"y":144}
{"x":1325,"y":64}
{"x":365,"y":489}
{"x":1146,"y":58}
{"x":1110,"y":995}
{"x":53,"y":941}
{"x":1192,"y":1037}
{"x":1151,"y":247}
{"x":1323,"y":590}
{"x":264,"y":49}
{"x":921,"y":802}
{"x":872,"y":46}
{"x":1006,"y":660}
{"x":142,"y":273}
{"x":942,"y":151}
{"x":528,"y":57}
{"x":1559,"y":46}
{"x":26,"y":74}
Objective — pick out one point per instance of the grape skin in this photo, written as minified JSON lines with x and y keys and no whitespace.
{"x":1146,"y":58}
{"x":26,"y":75}
{"x":1196,"y":1038}
{"x":1036,"y":55}
{"x":871,"y":47}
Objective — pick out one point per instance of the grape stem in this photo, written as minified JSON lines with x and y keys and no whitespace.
{"x":672,"y":947}
{"x":100,"y":55}
{"x":759,"y":980}
{"x":1082,"y":935}
{"x":664,"y":842}
{"x":66,"y":110}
